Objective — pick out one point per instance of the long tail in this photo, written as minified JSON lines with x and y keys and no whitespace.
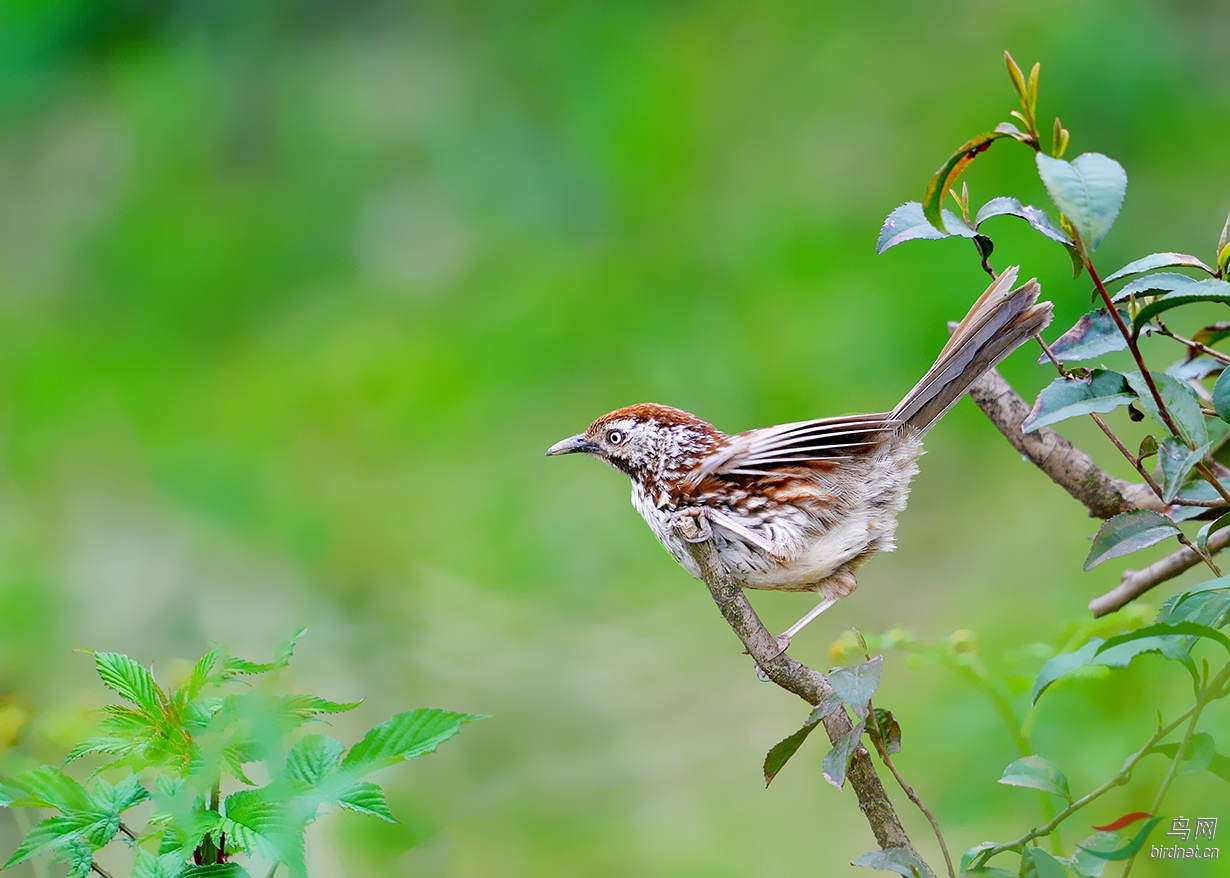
{"x":1001,"y":321}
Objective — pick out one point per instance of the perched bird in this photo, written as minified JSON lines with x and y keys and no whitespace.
{"x":800,"y":507}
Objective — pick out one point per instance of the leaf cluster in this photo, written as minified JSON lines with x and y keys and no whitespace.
{"x":190,"y":750}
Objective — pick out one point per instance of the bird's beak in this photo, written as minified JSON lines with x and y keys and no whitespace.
{"x":572,"y":445}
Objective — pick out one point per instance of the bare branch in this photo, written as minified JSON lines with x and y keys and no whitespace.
{"x":805,"y":682}
{"x":1073,"y":470}
{"x":1134,"y":583}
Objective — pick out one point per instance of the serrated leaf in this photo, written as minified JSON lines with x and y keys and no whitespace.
{"x":1092,"y":336}
{"x":1155,"y":284}
{"x":47,"y":787}
{"x":1119,"y":651}
{"x":1088,"y":190}
{"x":899,"y":860}
{"x":1197,"y":291}
{"x":947,"y":175}
{"x":1180,"y":400}
{"x":1129,"y":532}
{"x":313,"y":758}
{"x":408,"y":735}
{"x":366,"y":798}
{"x":837,"y":760}
{"x":855,"y":685}
{"x":1045,"y":866}
{"x":781,"y":752}
{"x":1037,"y":218}
{"x":1205,"y":604}
{"x":1177,"y":461}
{"x":130,"y":680}
{"x":266,"y":828}
{"x":53,"y":834}
{"x":1155,"y":261}
{"x":1064,"y":664}
{"x":147,"y":865}
{"x":1065,"y":398}
{"x":1037,"y":773}
{"x":1167,"y":629}
{"x":907,"y":223}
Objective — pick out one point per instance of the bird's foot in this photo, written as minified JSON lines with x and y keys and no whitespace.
{"x":692,"y":524}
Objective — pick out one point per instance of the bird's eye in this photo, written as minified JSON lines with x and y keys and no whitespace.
{"x":614,"y":437}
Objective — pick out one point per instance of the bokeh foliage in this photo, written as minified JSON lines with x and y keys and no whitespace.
{"x":293,"y":296}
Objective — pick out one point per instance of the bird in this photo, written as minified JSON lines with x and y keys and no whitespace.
{"x":801,"y":506}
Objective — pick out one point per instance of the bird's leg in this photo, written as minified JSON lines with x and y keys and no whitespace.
{"x":839,"y":585}
{"x":692,"y":524}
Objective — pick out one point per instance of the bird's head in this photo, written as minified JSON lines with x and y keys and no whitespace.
{"x":644,"y":441}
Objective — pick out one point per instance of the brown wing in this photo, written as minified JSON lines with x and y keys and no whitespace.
{"x":757,"y":452}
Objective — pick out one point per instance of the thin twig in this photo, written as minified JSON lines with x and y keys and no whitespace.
{"x":94,"y":867}
{"x":882,"y":748}
{"x":1125,"y":772}
{"x":1209,"y":693}
{"x":1196,"y":346}
{"x":128,"y":832}
{"x":1134,"y":583}
{"x":805,"y":682}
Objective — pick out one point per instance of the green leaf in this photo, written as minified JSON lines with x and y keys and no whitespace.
{"x":1180,"y":400}
{"x":1218,"y":765}
{"x":1066,"y":398}
{"x":1129,"y":532}
{"x":993,"y":871}
{"x":1177,"y":462}
{"x":147,"y":865}
{"x":837,"y":760}
{"x":1037,"y":773}
{"x":907,"y":223}
{"x":1221,"y":395}
{"x":948,"y":173}
{"x":1205,"y":604}
{"x":366,"y":798}
{"x":266,"y":828}
{"x":1064,"y":664}
{"x":781,"y":752}
{"x":314,"y":758}
{"x":1162,"y":282}
{"x":53,"y":834}
{"x":45,"y":786}
{"x":1006,"y":206}
{"x":1154,"y":261}
{"x":899,"y":860}
{"x":1197,"y":291}
{"x":855,"y":685}
{"x":408,"y":735}
{"x":1045,"y":866}
{"x":1088,"y":190}
{"x":306,"y":706}
{"x":1119,"y":651}
{"x":967,"y":858}
{"x":130,"y":681}
{"x":1209,"y":528}
{"x":1166,"y":629}
{"x":1093,"y":335}
{"x":890,"y":729}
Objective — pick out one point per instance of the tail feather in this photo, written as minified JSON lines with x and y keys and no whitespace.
{"x":998,"y":323}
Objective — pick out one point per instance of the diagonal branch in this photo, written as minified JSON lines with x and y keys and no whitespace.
{"x":805,"y":682}
{"x":1104,"y":495}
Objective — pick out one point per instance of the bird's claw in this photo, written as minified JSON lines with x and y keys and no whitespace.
{"x":692,"y":525}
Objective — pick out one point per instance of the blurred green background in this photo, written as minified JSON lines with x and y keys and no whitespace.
{"x":293,"y":296}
